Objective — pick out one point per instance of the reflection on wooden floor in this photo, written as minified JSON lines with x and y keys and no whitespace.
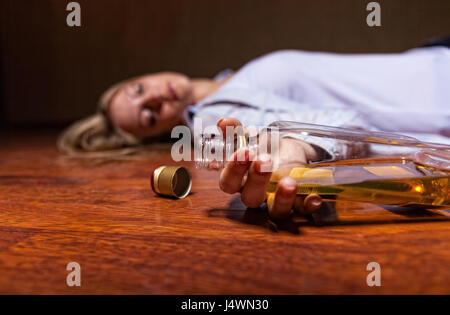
{"x":103,"y":215}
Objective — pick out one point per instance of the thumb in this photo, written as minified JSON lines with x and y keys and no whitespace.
{"x":312,"y":203}
{"x":308,"y":205}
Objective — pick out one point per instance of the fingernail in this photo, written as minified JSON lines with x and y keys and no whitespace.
{"x":238,"y":158}
{"x":313,"y":203}
{"x":265,"y":165}
{"x":286,"y":192}
{"x":289,"y":187}
{"x":316,"y":202}
{"x":264,"y":158}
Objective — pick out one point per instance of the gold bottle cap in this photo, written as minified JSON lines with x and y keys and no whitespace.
{"x":171,"y":181}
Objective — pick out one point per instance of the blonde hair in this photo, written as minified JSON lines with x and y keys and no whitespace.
{"x":95,"y":136}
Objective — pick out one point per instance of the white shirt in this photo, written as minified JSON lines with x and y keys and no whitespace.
{"x":407,"y":93}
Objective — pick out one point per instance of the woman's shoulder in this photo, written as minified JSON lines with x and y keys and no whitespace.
{"x":283,"y":56}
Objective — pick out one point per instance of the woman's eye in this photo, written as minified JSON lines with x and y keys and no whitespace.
{"x":139,"y":89}
{"x":136,"y":89}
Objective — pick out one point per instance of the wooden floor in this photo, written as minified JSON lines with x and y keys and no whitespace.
{"x":104,"y":216}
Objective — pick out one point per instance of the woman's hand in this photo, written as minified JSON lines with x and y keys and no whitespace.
{"x":249,"y":178}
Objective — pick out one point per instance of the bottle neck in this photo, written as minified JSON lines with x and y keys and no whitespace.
{"x":213,"y":152}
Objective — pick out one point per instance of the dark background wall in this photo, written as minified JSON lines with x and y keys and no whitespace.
{"x":53,"y":73}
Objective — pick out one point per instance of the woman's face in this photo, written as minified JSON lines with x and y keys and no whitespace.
{"x":151,"y":105}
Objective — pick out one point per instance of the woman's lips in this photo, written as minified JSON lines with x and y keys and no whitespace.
{"x":152,"y":121}
{"x":172,"y":92}
{"x":148,"y":118}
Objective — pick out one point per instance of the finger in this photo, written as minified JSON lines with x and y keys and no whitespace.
{"x":284,"y":198}
{"x":232,"y":175}
{"x":227,"y":122}
{"x":312,"y":203}
{"x":254,"y":190}
{"x":299,"y":204}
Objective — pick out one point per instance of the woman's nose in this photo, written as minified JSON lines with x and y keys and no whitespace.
{"x":153,"y":100}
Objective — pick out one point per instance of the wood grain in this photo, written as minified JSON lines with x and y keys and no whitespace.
{"x":103,"y":215}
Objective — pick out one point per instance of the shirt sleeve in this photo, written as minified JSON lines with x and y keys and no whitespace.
{"x":329,"y":148}
{"x":260,"y":108}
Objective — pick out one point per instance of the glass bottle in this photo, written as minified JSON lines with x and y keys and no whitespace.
{"x":374,"y":167}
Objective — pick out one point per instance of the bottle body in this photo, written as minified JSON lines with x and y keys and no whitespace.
{"x":385,"y":168}
{"x":399,"y":182}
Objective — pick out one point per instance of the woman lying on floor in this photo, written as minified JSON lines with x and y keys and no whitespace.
{"x":404,"y":92}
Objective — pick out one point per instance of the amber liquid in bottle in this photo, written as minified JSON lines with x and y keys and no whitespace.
{"x":399,"y":182}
